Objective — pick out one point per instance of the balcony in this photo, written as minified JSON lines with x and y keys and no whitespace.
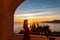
{"x":33,"y":37}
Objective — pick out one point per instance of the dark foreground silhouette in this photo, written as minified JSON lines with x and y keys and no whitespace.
{"x":41,"y":30}
{"x":26,"y":31}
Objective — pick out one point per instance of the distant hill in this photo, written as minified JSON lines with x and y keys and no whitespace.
{"x":54,"y":21}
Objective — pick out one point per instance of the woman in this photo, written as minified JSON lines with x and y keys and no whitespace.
{"x":26,"y":31}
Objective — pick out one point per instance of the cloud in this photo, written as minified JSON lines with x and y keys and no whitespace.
{"x":43,"y":12}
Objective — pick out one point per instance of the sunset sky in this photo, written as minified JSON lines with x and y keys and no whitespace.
{"x":38,"y":10}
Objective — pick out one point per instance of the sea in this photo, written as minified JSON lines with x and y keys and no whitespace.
{"x":52,"y":26}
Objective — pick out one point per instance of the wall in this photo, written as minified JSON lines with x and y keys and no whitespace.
{"x":7,"y":9}
{"x":20,"y":37}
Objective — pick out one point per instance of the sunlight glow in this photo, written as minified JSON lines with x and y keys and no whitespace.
{"x":28,"y":21}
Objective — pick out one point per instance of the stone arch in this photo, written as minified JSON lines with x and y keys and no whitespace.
{"x":7,"y":10}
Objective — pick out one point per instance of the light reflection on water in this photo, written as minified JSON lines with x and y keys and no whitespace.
{"x":53,"y":26}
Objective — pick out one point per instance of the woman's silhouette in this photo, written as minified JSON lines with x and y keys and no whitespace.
{"x":26,"y":30}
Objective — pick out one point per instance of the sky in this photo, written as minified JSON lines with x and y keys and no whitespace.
{"x":38,"y":10}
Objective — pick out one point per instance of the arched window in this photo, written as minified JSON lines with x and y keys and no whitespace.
{"x":40,"y":14}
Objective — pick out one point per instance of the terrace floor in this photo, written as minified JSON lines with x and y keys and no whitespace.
{"x":33,"y":37}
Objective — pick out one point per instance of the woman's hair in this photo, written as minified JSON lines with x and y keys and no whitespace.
{"x":25,"y":23}
{"x":25,"y":20}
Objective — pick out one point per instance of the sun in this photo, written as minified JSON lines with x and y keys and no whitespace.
{"x":28,"y":21}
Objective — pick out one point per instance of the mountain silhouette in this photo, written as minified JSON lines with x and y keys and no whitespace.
{"x":54,"y":21}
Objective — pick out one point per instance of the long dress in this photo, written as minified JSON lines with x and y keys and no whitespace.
{"x":26,"y":32}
